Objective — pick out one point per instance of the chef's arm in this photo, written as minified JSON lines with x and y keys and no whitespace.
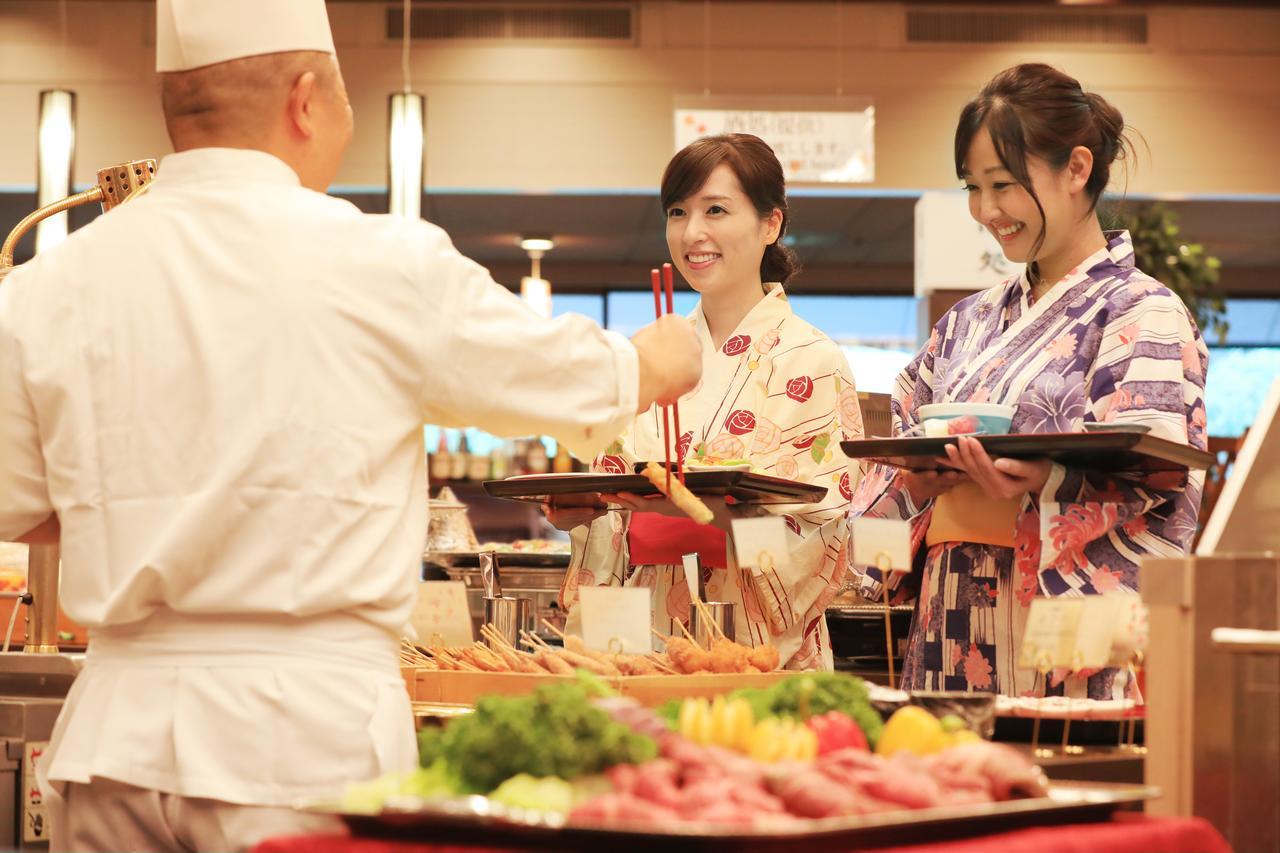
{"x":489,"y":361}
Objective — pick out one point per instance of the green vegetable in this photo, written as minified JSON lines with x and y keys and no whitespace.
{"x":541,"y":795}
{"x":814,"y":694}
{"x":434,"y":781}
{"x":552,"y":732}
{"x":595,"y":686}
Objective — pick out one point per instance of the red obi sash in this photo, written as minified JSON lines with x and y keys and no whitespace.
{"x":659,"y":540}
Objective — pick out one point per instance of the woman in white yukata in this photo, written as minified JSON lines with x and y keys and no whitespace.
{"x":1081,"y":336}
{"x":774,"y":391}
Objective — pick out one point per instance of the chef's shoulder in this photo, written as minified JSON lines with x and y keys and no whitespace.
{"x":415,"y":246}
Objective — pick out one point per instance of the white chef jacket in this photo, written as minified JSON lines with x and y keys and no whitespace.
{"x":220,"y":389}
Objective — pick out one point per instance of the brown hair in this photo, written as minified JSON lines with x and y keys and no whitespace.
{"x":1037,"y":109}
{"x":760,"y":174}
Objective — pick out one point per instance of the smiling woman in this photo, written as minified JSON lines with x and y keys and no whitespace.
{"x":1081,"y":337}
{"x":775,"y":392}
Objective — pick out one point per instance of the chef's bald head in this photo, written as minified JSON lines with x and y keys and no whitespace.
{"x":241,"y":97}
{"x":293,"y":105}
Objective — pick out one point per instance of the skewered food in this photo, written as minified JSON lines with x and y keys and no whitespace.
{"x":685,"y":500}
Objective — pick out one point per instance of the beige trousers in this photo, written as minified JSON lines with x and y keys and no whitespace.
{"x":106,"y":815}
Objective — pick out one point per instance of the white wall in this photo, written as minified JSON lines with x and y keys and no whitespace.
{"x":1205,"y":92}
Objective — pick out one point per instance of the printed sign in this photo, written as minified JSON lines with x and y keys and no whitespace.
{"x":1049,"y":640}
{"x":442,"y":611}
{"x":761,"y":543}
{"x":819,"y":140}
{"x":616,"y":618}
{"x":883,"y":543}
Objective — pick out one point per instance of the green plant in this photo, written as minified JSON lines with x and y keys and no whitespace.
{"x":1162,"y":252}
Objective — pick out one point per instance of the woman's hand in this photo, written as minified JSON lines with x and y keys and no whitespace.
{"x":926,"y":485}
{"x":565,"y":512}
{"x":999,"y":478}
{"x":663,"y":506}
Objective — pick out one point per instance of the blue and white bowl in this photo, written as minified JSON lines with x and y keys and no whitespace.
{"x":943,"y":419}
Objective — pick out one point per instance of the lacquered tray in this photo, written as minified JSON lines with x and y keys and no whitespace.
{"x":477,"y":821}
{"x":1102,"y":451}
{"x":742,"y":486}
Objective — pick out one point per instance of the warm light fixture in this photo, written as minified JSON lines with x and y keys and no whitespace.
{"x":535,"y":289}
{"x":405,"y":134}
{"x":404,"y":154}
{"x":55,"y":158}
{"x":537,"y":244}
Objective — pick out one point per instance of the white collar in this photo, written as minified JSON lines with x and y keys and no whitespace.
{"x":200,"y":165}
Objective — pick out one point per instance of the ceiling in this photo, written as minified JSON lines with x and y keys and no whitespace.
{"x":850,"y":244}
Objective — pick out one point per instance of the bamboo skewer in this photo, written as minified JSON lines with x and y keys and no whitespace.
{"x":705,"y":614}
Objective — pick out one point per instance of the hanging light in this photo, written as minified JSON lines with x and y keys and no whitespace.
{"x":405,"y":134}
{"x":404,"y":153}
{"x":535,"y":289}
{"x":55,"y":158}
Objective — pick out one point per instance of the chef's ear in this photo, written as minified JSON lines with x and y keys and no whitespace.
{"x":301,"y":104}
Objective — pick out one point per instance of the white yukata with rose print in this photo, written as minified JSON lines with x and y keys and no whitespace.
{"x":779,"y":393}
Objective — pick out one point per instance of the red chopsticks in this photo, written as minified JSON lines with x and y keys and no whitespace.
{"x":667,"y":282}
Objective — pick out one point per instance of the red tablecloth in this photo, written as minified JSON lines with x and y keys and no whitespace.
{"x":1128,"y":833}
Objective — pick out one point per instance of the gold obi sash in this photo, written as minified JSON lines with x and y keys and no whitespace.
{"x":967,"y":514}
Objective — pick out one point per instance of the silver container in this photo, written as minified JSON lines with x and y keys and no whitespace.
{"x":722,"y":614}
{"x":509,"y":616}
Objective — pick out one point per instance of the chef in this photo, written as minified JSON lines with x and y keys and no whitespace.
{"x":218,"y":391}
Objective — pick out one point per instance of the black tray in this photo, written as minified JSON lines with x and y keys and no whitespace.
{"x":1102,"y":451}
{"x":742,"y":486}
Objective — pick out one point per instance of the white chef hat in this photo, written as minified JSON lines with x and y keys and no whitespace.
{"x":195,"y":33}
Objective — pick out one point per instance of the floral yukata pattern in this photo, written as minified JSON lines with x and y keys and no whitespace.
{"x":1108,"y":344}
{"x":780,"y":394}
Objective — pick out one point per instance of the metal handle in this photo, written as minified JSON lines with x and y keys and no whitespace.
{"x":489,"y":575}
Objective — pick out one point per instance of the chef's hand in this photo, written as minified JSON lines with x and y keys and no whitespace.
{"x":927,"y":485}
{"x":566,"y":512}
{"x":670,"y":360}
{"x":663,"y":506}
{"x":999,"y":478}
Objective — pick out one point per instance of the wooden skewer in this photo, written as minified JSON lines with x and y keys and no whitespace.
{"x":685,"y":631}
{"x":553,"y":629}
{"x":493,"y":635}
{"x":705,"y":613}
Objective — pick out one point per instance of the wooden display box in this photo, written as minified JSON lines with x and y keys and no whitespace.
{"x":452,"y":687}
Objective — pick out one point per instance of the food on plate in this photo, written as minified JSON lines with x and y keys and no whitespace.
{"x":724,"y":656}
{"x":685,"y":500}
{"x":607,"y":760}
{"x":814,"y":694}
{"x":836,"y":730}
{"x":555,"y":731}
{"x":913,"y":729}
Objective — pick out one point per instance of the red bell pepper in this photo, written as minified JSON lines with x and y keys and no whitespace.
{"x":836,"y":730}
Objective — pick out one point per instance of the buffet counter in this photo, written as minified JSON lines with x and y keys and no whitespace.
{"x":1127,"y":833}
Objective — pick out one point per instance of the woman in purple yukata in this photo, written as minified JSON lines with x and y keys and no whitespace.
{"x":1081,"y":336}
